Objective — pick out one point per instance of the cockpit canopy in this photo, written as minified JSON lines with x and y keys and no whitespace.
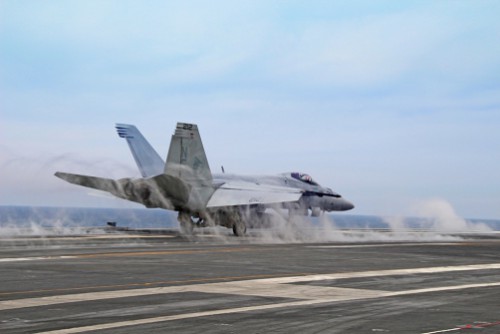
{"x":304,"y":178}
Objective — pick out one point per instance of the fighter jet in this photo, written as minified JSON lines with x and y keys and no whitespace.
{"x":184,"y":183}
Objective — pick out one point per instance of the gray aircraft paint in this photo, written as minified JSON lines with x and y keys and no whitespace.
{"x":184,"y":183}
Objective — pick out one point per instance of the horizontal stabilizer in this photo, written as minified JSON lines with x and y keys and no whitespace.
{"x":99,"y":183}
{"x":162,"y":191}
{"x":244,"y":193}
{"x":171,"y":187}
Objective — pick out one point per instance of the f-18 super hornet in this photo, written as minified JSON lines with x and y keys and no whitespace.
{"x":184,"y":183}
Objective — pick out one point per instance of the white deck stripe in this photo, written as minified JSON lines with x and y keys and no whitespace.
{"x":375,"y":273}
{"x":420,"y":244}
{"x":246,"y":309}
{"x":250,"y":287}
{"x":36,"y":258}
{"x":443,"y":288}
{"x":444,"y":331}
{"x":269,"y":287}
{"x":178,"y":317}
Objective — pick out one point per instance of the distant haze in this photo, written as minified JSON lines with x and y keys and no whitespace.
{"x":390,"y":103}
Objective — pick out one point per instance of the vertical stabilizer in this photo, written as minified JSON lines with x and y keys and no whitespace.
{"x":147,"y":159}
{"x":186,"y":157}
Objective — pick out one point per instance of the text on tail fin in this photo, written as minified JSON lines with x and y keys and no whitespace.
{"x":186,"y":157}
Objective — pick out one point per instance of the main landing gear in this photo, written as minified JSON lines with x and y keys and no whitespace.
{"x":239,"y":227}
{"x":232,"y":219}
{"x":186,"y":223}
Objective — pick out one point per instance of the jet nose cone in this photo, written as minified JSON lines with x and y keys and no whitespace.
{"x":347,"y":206}
{"x":337,"y":204}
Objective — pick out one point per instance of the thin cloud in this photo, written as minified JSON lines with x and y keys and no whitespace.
{"x":386,"y":102}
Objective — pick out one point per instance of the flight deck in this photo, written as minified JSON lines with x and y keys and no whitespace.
{"x":129,"y":282}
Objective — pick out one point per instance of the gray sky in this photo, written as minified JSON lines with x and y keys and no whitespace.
{"x":387,"y":102}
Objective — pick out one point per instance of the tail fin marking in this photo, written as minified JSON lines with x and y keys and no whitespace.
{"x":186,"y":157}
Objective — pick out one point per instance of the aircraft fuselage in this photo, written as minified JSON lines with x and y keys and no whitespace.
{"x":184,"y":183}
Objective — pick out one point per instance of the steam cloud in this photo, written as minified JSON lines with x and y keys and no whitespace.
{"x":445,"y":219}
{"x":436,"y":221}
{"x":36,"y":222}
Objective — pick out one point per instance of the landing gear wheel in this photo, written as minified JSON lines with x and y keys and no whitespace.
{"x":239,"y":228}
{"x":187,"y":228}
{"x":185,"y":223}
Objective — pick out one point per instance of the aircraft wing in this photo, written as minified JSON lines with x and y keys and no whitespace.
{"x":245,"y":193}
